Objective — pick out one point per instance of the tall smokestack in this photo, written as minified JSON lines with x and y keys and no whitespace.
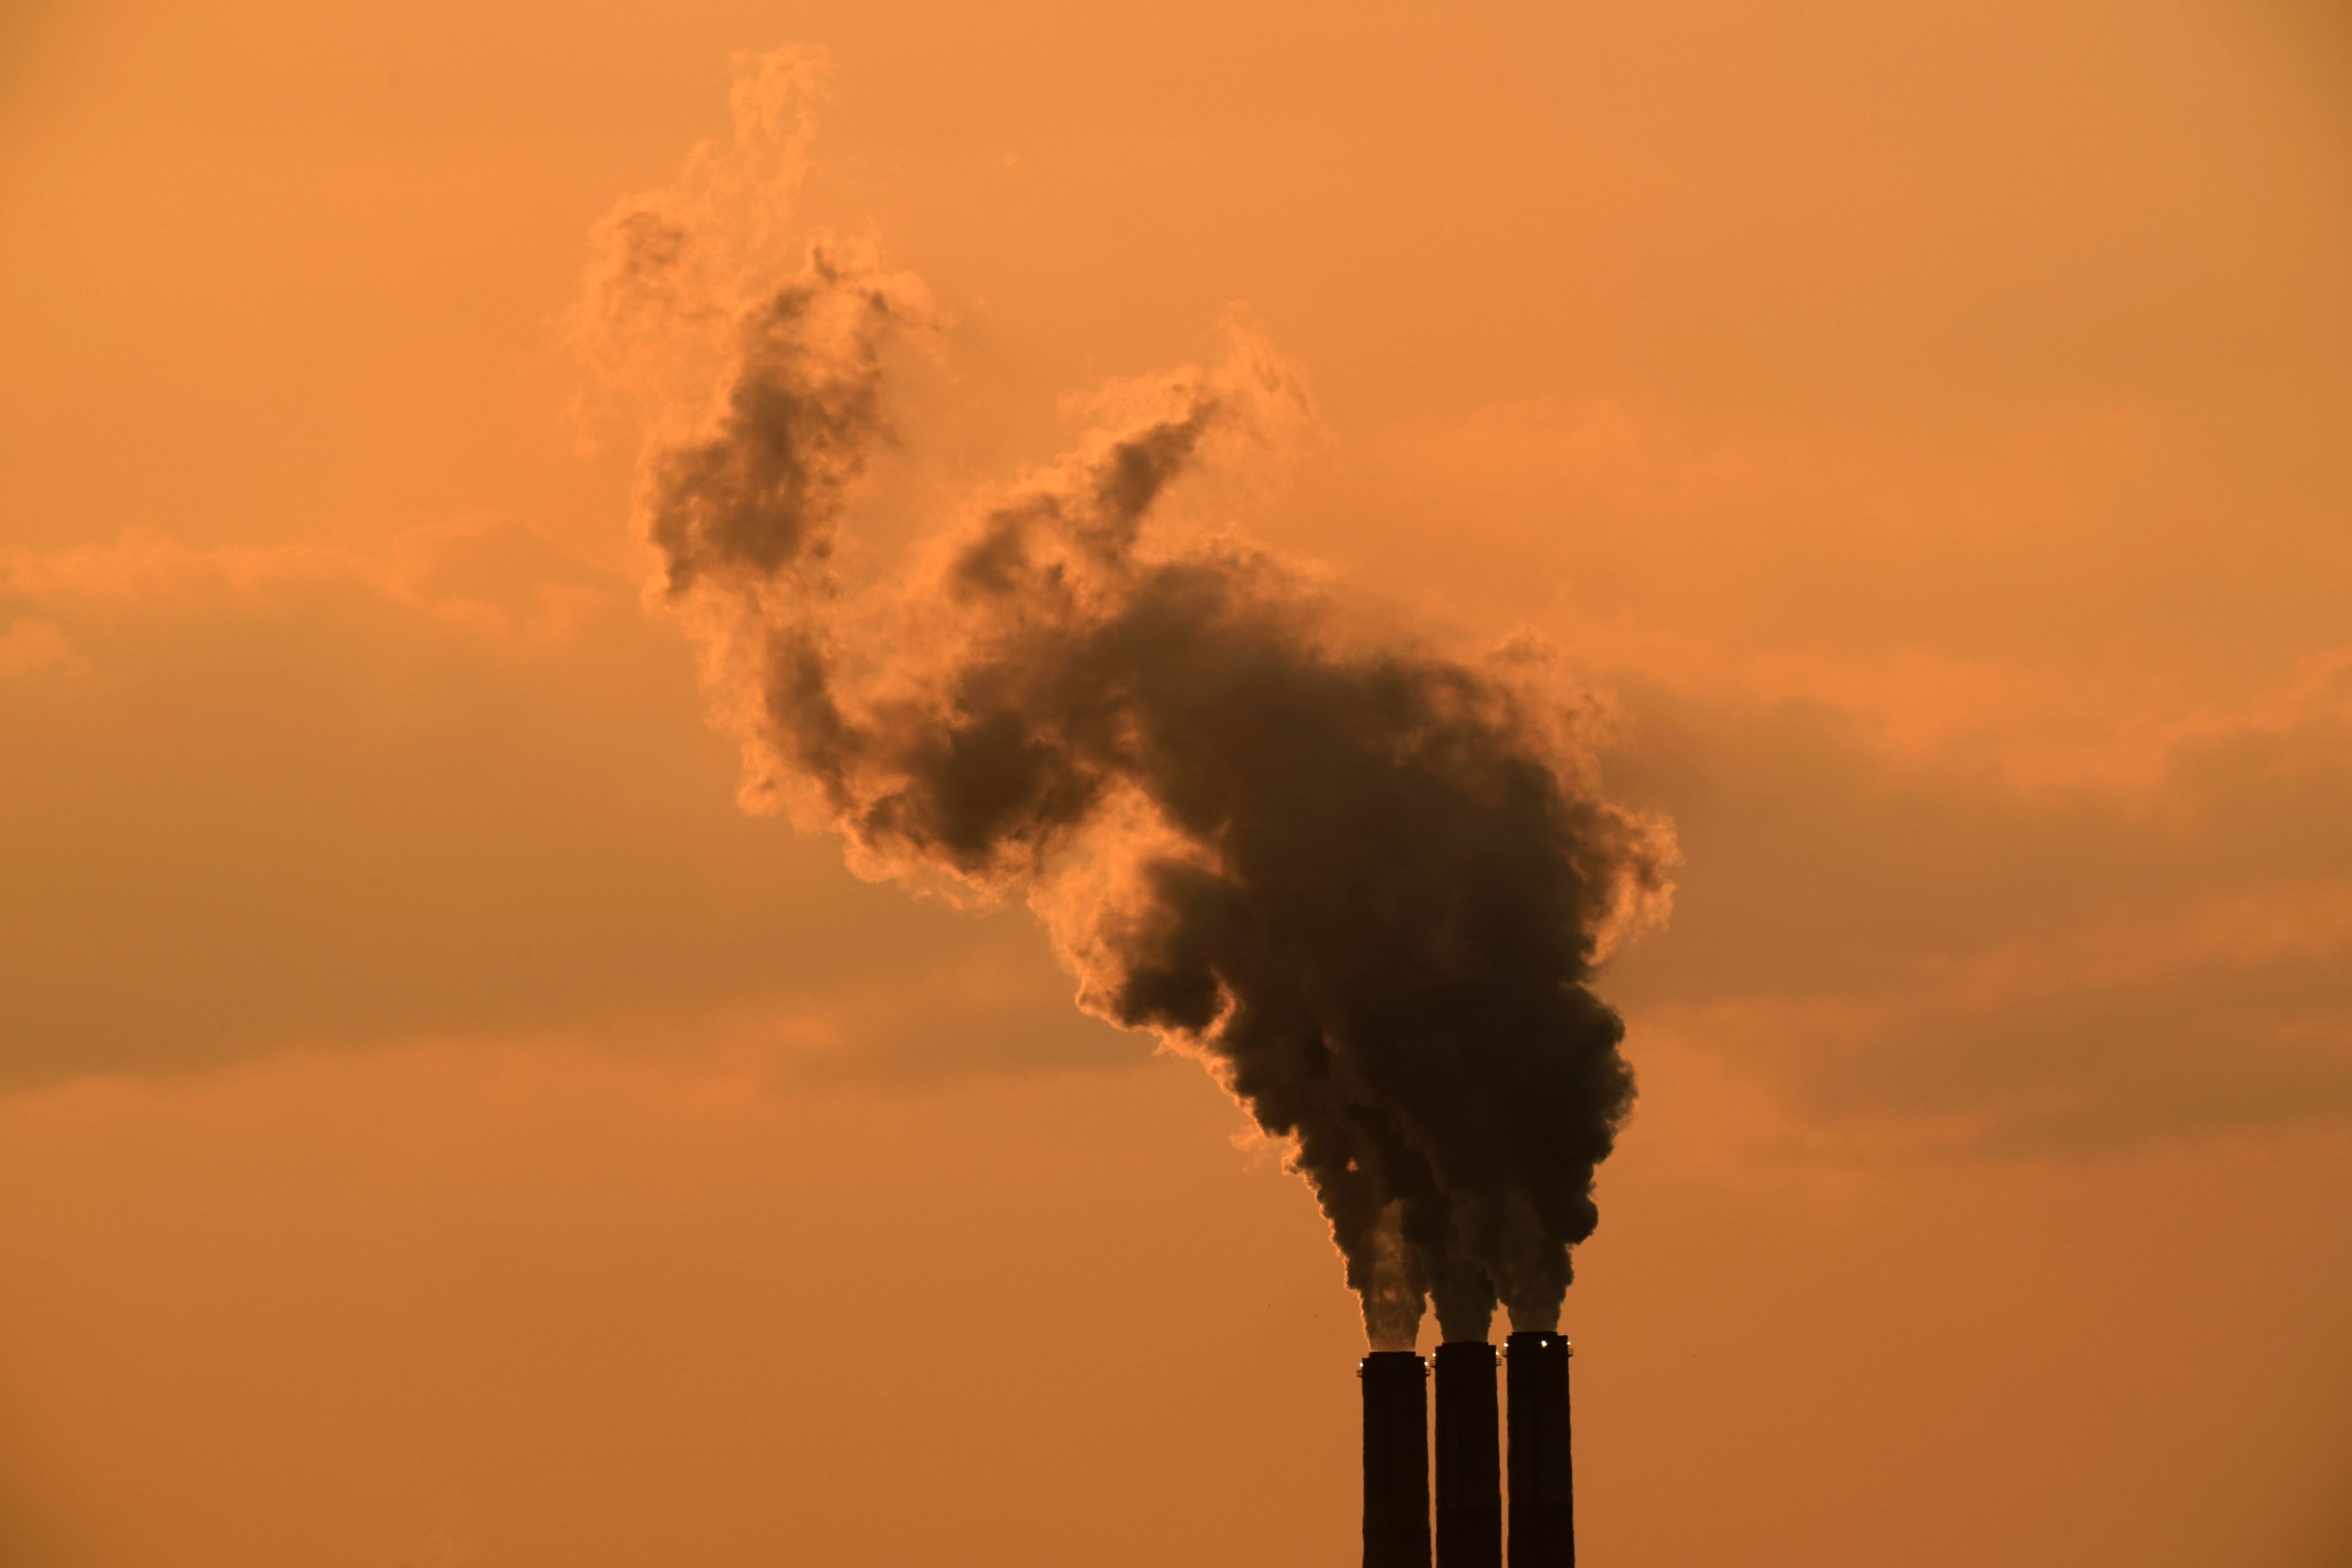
{"x":1543,"y":1493}
{"x":1396,"y":1460}
{"x":1469,"y":1458}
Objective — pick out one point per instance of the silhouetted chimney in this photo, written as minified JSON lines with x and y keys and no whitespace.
{"x":1469,"y":1458}
{"x":1396,"y":1460}
{"x":1543,"y":1491}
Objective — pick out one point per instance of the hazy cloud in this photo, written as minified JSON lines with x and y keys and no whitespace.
{"x":1926,"y":940}
{"x":306,"y":797}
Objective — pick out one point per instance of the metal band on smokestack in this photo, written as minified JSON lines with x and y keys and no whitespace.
{"x":1469,"y":1458}
{"x":1543,"y":1493}
{"x":1396,"y":1460}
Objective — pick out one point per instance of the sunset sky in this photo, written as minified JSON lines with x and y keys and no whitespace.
{"x":441,"y":1128}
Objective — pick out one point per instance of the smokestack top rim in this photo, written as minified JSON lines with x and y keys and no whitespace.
{"x":1390,"y":1362}
{"x":1537,"y":1342}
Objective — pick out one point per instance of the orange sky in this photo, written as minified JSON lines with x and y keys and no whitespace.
{"x":439,"y":1128}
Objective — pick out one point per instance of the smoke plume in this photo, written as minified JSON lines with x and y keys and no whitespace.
{"x":1366,"y":883}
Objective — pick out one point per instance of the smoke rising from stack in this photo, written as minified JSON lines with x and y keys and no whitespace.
{"x":1365,"y":882}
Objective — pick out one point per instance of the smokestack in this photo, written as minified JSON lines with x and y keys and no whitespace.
{"x":1396,"y":1460}
{"x":1469,"y":1458}
{"x":1543,"y":1513}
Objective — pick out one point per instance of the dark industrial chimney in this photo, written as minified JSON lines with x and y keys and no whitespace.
{"x":1396,"y":1460}
{"x":1543,"y":1494}
{"x":1469,"y":1458}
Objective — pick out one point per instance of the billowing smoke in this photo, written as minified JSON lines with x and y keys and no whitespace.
{"x":1365,"y":883}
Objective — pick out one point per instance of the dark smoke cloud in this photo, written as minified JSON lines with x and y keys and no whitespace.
{"x":1366,"y":884}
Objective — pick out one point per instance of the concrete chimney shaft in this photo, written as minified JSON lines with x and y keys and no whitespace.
{"x":1469,"y":1458}
{"x":1543,"y":1491}
{"x":1396,"y":1460}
